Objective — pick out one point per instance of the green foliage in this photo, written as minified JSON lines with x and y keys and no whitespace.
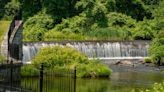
{"x":36,"y":26}
{"x":4,"y":25}
{"x":91,"y":19}
{"x":53,"y":35}
{"x":11,"y":8}
{"x":93,"y":69}
{"x":66,"y":58}
{"x":120,"y":20}
{"x":57,"y":56}
{"x":151,"y":2}
{"x":30,"y":8}
{"x":160,"y":34}
{"x":2,"y":7}
{"x":157,"y":87}
{"x":2,"y":59}
{"x":57,"y":8}
{"x":29,"y":70}
{"x":144,"y":31}
{"x":119,"y":26}
{"x":147,"y":60}
{"x":134,"y":8}
{"x":156,"y":50}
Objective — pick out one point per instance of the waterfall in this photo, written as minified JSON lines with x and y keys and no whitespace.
{"x":101,"y":50}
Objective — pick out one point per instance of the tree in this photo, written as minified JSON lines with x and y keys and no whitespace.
{"x":156,"y":50}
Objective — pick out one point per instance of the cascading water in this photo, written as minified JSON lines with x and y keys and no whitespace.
{"x":101,"y":50}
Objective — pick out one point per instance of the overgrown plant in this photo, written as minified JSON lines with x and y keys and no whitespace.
{"x":60,"y":58}
{"x":157,"y":51}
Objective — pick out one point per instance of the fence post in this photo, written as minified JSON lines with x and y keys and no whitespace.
{"x":11,"y":73}
{"x":75,"y":79}
{"x":41,"y":78}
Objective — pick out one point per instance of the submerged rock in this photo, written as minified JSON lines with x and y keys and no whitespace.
{"x":124,"y":62}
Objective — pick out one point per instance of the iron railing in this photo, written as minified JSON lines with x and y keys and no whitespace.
{"x":45,"y":80}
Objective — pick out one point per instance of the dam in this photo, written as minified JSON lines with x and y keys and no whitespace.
{"x":93,"y":49}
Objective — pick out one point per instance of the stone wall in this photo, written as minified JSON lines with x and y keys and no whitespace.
{"x":4,"y":46}
{"x":15,"y":39}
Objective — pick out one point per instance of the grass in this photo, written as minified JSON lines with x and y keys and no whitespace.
{"x":4,"y":25}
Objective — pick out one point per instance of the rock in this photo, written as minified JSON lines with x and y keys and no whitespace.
{"x":125,"y":62}
{"x":141,"y":61}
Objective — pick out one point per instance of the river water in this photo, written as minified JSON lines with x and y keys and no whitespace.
{"x":118,"y":82}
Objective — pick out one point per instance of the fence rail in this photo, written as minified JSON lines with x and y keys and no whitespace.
{"x":45,"y":81}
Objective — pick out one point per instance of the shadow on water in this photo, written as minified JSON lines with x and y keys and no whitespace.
{"x":119,"y":82}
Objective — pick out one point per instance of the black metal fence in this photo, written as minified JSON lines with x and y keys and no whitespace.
{"x":47,"y":80}
{"x":10,"y":79}
{"x":57,"y":80}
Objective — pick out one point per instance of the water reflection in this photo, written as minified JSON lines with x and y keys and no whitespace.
{"x":119,"y":82}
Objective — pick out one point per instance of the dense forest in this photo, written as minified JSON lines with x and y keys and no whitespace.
{"x":51,"y":20}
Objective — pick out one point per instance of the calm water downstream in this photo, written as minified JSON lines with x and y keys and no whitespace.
{"x":119,"y":82}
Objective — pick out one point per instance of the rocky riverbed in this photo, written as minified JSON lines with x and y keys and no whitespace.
{"x":134,"y":65}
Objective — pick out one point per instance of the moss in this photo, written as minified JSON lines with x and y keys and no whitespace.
{"x":147,"y":60}
{"x":4,"y":25}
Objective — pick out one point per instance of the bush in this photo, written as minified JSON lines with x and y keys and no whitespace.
{"x":63,"y":58}
{"x":29,"y":70}
{"x":2,"y":59}
{"x":157,"y":87}
{"x":156,"y":50}
{"x":4,"y":25}
{"x":53,"y":35}
{"x":36,"y":26}
{"x":160,"y":34}
{"x":93,"y":69}
{"x":11,"y":8}
{"x":58,"y":56}
{"x":143,"y":35}
{"x":147,"y":60}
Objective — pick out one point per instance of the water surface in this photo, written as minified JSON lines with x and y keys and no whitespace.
{"x":118,"y":82}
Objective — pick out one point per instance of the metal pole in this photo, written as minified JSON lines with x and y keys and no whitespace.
{"x":75,"y":79}
{"x":11,"y":73}
{"x":41,"y":78}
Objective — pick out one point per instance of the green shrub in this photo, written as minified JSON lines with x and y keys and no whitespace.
{"x":147,"y":60}
{"x":53,"y":35}
{"x":93,"y":69}
{"x":57,"y":56}
{"x":2,"y":59}
{"x":36,"y":26}
{"x":11,"y":8}
{"x":156,"y":51}
{"x":29,"y":70}
{"x":157,"y":87}
{"x":143,"y":35}
{"x":160,"y":34}
{"x":63,"y":58}
{"x":4,"y":25}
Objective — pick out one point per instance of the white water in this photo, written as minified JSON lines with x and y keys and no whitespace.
{"x":101,"y":50}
